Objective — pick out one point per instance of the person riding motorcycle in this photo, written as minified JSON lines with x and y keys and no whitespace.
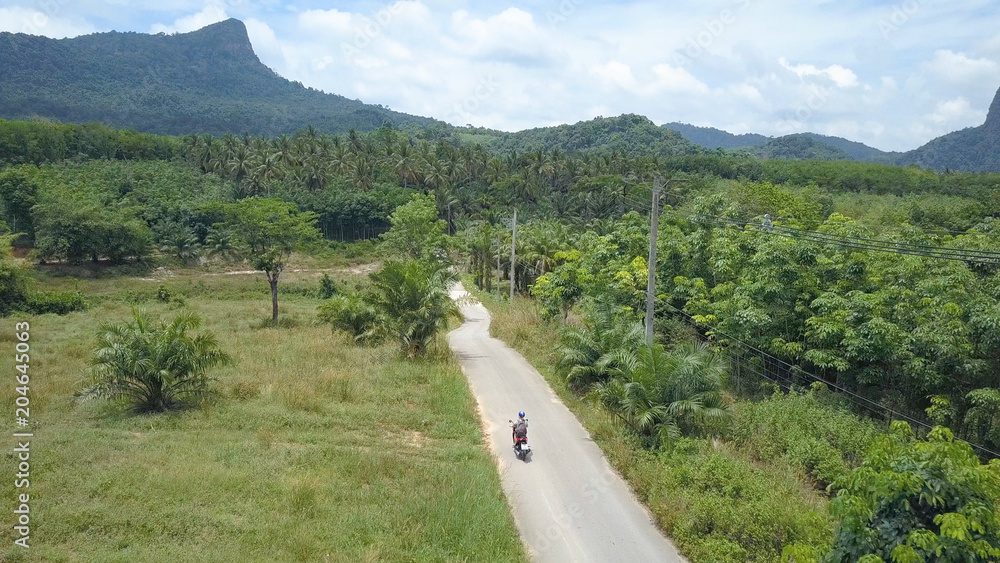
{"x":519,"y":429}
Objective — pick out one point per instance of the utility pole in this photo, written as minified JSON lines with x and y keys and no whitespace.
{"x":654,"y":227}
{"x":513,"y":254}
{"x":499,"y":271}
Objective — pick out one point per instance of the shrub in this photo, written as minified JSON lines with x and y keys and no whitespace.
{"x":55,"y":302}
{"x":412,"y":302}
{"x":153,"y":367}
{"x":350,"y":313}
{"x":327,"y":287}
{"x":822,"y":440}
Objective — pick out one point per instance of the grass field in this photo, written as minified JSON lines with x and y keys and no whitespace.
{"x":314,"y":449}
{"x":715,"y":501}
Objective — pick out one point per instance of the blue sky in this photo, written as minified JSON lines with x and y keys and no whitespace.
{"x":890,"y":74}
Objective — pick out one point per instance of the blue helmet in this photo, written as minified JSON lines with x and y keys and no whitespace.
{"x":520,"y":414}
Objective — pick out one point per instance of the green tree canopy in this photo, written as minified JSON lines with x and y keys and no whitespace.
{"x":269,"y":231}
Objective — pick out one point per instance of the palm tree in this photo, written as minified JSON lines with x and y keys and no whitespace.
{"x":220,"y":244}
{"x":662,"y":395}
{"x":154,"y":367}
{"x":183,"y":245}
{"x":404,"y":163}
{"x":589,"y":354}
{"x":413,"y":303}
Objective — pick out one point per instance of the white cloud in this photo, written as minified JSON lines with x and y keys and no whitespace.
{"x":34,"y":22}
{"x":841,"y":76}
{"x":960,"y":68}
{"x":955,"y":111}
{"x":211,"y":14}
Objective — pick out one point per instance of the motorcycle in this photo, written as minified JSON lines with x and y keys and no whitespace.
{"x":521,"y":448}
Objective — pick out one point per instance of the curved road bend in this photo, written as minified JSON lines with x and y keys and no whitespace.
{"x":568,"y":503}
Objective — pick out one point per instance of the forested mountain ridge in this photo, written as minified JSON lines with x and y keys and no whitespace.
{"x":712,"y":138}
{"x":632,"y":134}
{"x":798,"y":145}
{"x":207,"y":81}
{"x":975,"y":149}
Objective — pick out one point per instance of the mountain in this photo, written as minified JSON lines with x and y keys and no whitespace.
{"x":975,"y":149}
{"x":712,"y":138}
{"x":631,"y":134}
{"x":207,"y":81}
{"x":791,"y":146}
{"x":854,"y":150}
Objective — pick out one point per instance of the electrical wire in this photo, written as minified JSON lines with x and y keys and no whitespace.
{"x":856,"y":399}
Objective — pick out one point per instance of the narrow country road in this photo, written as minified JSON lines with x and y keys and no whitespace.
{"x":568,"y":503}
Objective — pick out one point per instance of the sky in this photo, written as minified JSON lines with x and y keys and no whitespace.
{"x":892,"y":75}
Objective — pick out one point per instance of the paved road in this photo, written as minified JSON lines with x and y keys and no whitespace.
{"x":568,"y":503}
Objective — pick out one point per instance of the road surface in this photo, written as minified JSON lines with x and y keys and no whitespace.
{"x":568,"y":503}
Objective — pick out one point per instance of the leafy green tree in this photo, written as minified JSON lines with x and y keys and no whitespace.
{"x":182,"y":245}
{"x":413,"y":303}
{"x":662,"y":395}
{"x":154,"y":367}
{"x":73,"y":231}
{"x":269,"y":231}
{"x":13,"y":279}
{"x":915,"y":500}
{"x":558,"y":291}
{"x":18,"y":194}
{"x":416,"y":232}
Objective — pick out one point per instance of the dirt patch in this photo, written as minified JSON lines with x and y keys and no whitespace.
{"x":415,"y":439}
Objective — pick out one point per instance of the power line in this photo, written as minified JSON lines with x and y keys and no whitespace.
{"x":856,"y":399}
{"x":859,"y":243}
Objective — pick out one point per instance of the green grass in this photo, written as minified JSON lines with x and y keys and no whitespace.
{"x":716,"y":500}
{"x":314,"y":449}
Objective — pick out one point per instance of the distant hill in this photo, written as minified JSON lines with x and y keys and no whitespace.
{"x":797,"y":147}
{"x":207,"y":81}
{"x":712,"y":138}
{"x":856,"y":151}
{"x":791,"y":146}
{"x":631,"y":134}
{"x":976,"y":149}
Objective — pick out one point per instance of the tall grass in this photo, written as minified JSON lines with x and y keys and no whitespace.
{"x":313,"y":450}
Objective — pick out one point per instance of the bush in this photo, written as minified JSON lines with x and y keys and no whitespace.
{"x":55,"y":302}
{"x":327,"y":287}
{"x":720,"y":507}
{"x":822,"y":440}
{"x":350,"y":313}
{"x":153,"y":367}
{"x":13,"y":280}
